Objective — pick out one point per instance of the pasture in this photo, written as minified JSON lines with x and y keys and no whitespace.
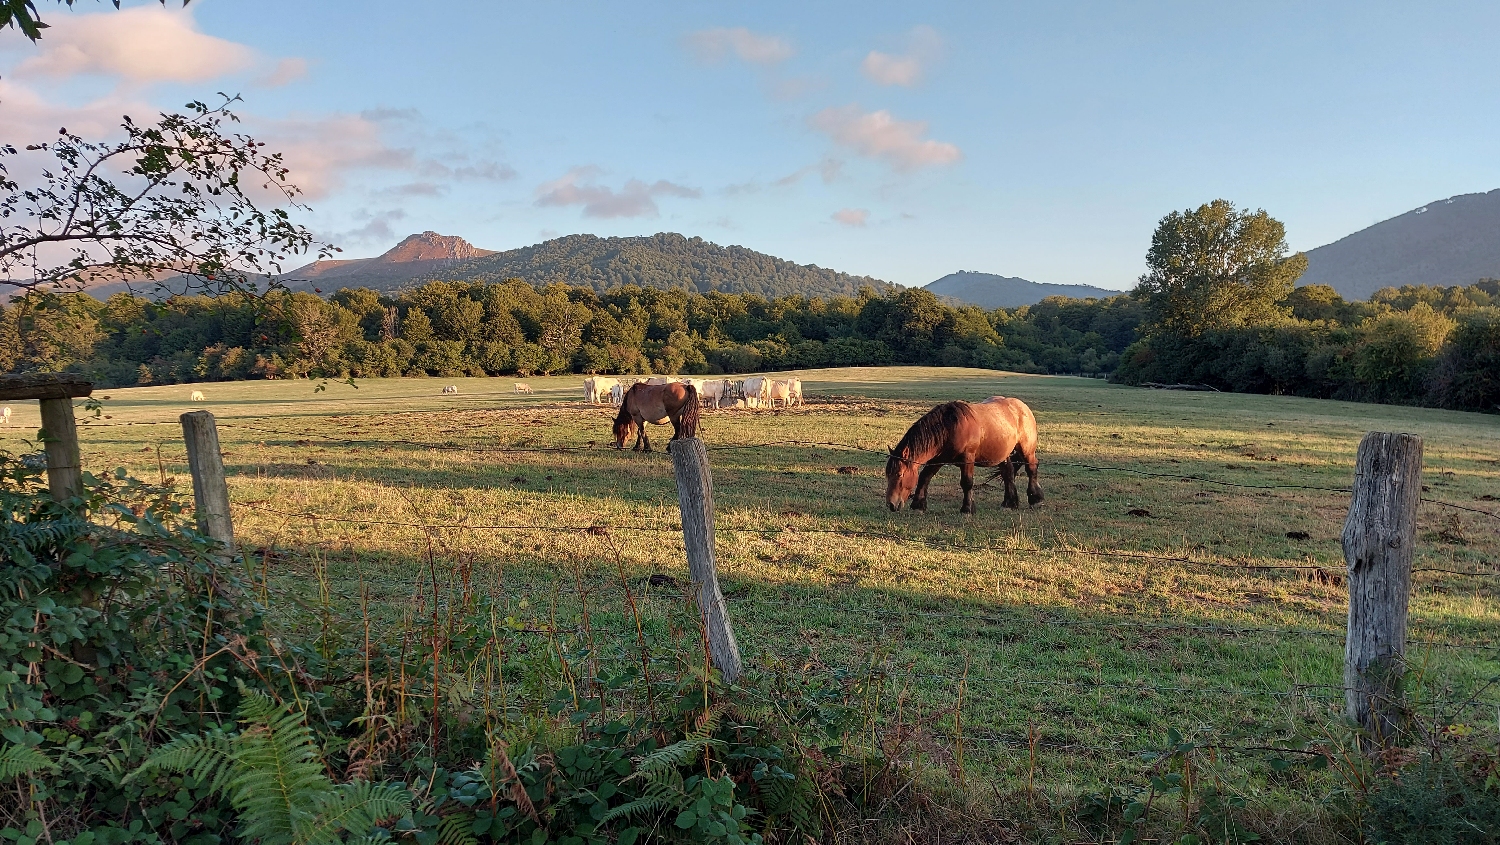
{"x":1184,"y":572}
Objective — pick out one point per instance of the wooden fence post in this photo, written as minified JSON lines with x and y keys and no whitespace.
{"x":695,"y":496}
{"x":210,"y":491}
{"x":60,"y":439}
{"x":1378,"y":538}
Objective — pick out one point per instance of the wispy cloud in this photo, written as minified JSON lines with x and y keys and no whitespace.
{"x":904,"y":70}
{"x":828,"y":170}
{"x":899,"y":143}
{"x":286,"y":71}
{"x":852,"y":217}
{"x":715,"y":45}
{"x":635,"y":199}
{"x":142,"y":45}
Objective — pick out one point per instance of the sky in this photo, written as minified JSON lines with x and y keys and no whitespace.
{"x":899,"y":140}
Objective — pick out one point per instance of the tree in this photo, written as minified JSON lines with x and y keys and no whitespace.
{"x":1216,"y":267}
{"x":22,"y":15}
{"x":170,"y":201}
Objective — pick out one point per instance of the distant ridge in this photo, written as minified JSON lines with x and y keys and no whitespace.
{"x":415,"y":255}
{"x":666,"y":260}
{"x":1455,"y":241}
{"x":990,"y":291}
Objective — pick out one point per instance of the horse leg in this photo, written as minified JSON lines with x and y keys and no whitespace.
{"x":1008,"y":472}
{"x":919,"y":496}
{"x":1033,"y":489}
{"x":640,"y":437}
{"x":966,"y":481}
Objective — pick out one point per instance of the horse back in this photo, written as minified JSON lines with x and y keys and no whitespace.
{"x":1010,"y":418}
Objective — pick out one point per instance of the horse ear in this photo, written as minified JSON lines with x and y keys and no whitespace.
{"x":893,"y":450}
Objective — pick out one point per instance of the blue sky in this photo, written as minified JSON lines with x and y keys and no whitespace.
{"x":899,"y":140}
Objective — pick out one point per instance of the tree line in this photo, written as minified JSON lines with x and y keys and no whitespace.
{"x":1221,"y":309}
{"x":448,"y":329}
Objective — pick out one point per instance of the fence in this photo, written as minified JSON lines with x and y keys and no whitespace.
{"x":1373,"y":655}
{"x":1378,"y":542}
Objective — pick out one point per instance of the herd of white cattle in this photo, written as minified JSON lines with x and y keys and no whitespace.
{"x":755,"y":392}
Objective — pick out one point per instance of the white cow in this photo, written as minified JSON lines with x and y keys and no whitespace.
{"x":780,"y":390}
{"x":617,"y":393}
{"x":756,"y":390}
{"x":603,"y":389}
{"x":452,"y":388}
{"x":796,"y":394}
{"x":591,"y":391}
{"x":5,"y":414}
{"x":523,"y":387}
{"x":660,"y":380}
{"x":713,"y":391}
{"x":195,"y":396}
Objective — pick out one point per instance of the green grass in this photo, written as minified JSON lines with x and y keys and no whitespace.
{"x":1025,"y":604}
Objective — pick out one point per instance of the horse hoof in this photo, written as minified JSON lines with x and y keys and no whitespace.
{"x":1033,"y":502}
{"x":1014,"y":505}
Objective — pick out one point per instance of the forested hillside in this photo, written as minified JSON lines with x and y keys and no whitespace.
{"x":666,"y":261}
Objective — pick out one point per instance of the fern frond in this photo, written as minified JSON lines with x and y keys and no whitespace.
{"x":354,"y":808}
{"x":684,"y":752}
{"x":17,"y":760}
{"x":206,"y":758}
{"x":276,"y":777}
{"x":457,"y":829}
{"x":640,"y":807}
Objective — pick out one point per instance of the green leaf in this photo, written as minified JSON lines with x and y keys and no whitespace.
{"x":686,"y":819}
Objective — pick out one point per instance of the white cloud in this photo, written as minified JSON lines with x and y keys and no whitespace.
{"x":321,"y":151}
{"x":879,"y":135}
{"x":905,"y":70}
{"x":853,"y":217}
{"x":828,"y":169}
{"x":715,"y":45}
{"x":635,"y":199}
{"x":142,"y":44}
{"x":285,"y":71}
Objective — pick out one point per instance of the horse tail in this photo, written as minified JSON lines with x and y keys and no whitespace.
{"x":690,"y":413}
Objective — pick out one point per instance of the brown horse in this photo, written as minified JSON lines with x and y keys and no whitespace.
{"x":984,"y":434}
{"x":656,"y":403}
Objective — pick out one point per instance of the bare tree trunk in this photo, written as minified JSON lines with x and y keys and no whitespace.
{"x":1379,"y":535}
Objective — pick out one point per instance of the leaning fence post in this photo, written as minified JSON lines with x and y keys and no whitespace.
{"x":210,"y":491}
{"x":1378,"y":538}
{"x":695,"y":496}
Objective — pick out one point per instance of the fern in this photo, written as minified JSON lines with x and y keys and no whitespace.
{"x":271,"y":774}
{"x":277,"y":776}
{"x":457,"y":828}
{"x":672,"y":757}
{"x":18,"y":760}
{"x":206,"y":758}
{"x":355,"y":808}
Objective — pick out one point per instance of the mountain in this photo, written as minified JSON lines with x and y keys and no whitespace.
{"x":665,"y":260}
{"x":413,"y":257}
{"x":990,"y":291}
{"x":1455,"y":241}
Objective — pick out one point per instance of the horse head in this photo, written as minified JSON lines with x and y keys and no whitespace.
{"x":900,"y":478}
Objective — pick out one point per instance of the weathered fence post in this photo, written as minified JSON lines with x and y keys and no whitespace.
{"x":210,"y":491}
{"x":1378,"y":538}
{"x":59,"y":434}
{"x":60,"y":439}
{"x":695,"y":496}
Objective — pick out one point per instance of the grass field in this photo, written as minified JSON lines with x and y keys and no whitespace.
{"x":1127,"y":604}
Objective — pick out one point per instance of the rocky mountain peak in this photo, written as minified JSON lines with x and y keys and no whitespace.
{"x":431,"y":246}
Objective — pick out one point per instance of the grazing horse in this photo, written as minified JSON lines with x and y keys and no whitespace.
{"x":656,"y":403}
{"x":966,"y":434}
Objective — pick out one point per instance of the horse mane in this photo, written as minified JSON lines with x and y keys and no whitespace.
{"x":928,"y":434}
